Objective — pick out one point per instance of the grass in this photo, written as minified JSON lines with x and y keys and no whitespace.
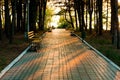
{"x":103,"y":44}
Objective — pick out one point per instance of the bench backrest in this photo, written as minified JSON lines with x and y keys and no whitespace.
{"x":30,"y":34}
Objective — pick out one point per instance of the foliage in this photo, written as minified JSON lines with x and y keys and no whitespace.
{"x":49,"y":14}
{"x":63,"y":23}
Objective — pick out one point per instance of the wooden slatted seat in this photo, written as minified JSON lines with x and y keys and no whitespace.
{"x":34,"y":40}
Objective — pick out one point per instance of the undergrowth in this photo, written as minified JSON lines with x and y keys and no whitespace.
{"x":104,"y":45}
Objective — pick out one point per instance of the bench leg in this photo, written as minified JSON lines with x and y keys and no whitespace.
{"x":35,"y":46}
{"x":38,"y":46}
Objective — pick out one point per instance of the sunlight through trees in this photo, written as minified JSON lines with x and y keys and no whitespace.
{"x":93,"y":16}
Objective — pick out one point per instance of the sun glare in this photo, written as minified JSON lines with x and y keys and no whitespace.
{"x":55,"y":18}
{"x":118,"y":1}
{"x":55,"y":21}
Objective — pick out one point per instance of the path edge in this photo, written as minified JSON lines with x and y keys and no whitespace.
{"x":16,"y":59}
{"x":13,"y":62}
{"x":98,"y":52}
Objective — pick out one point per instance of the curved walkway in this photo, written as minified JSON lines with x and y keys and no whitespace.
{"x":62,"y":57}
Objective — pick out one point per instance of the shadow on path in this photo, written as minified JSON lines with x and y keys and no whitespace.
{"x":62,"y":57}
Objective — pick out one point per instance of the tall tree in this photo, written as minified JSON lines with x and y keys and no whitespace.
{"x":8,"y":29}
{"x":19,"y":15}
{"x":42,"y":11}
{"x":13,"y":2}
{"x":115,"y":23}
{"x":0,"y":24}
{"x":40,"y":15}
{"x":90,"y":11}
{"x":1,"y":2}
{"x":100,"y":3}
{"x":83,"y":22}
{"x":86,"y":7}
{"x":75,"y":10}
{"x":78,"y":8}
{"x":97,"y":16}
{"x":24,"y":16}
{"x":107,"y":1}
{"x":69,"y":10}
{"x":33,"y":14}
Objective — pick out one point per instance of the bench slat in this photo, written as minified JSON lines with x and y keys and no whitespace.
{"x":32,"y":38}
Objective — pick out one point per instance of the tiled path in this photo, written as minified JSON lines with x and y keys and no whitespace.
{"x":62,"y":57}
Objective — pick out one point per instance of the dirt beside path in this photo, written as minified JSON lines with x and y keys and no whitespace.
{"x":8,"y":52}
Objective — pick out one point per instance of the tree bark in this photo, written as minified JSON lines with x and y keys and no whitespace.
{"x":115,"y":23}
{"x":33,"y":15}
{"x":100,"y":16}
{"x":90,"y":11}
{"x":69,"y":10}
{"x":0,"y":26}
{"x":19,"y":15}
{"x":8,"y":28}
{"x":44,"y":11}
{"x":78,"y":8}
{"x":76,"y":21}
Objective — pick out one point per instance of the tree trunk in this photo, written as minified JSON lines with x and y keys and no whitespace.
{"x":13,"y":2}
{"x":90,"y":10}
{"x":24,"y":18}
{"x":19,"y":15}
{"x":100,"y":16}
{"x":114,"y":21}
{"x":78,"y":7}
{"x":76,"y":23}
{"x":83,"y":22}
{"x":33,"y":15}
{"x":8,"y":28}
{"x":97,"y":17}
{"x":69,"y":10}
{"x":40,"y":16}
{"x":44,"y":11}
{"x":107,"y":16}
{"x":0,"y":26}
{"x":86,"y":16}
{"x":90,"y":22}
{"x":117,"y":24}
{"x":6,"y":19}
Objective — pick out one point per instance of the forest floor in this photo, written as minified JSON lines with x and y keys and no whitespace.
{"x":8,"y":52}
{"x":104,"y":45}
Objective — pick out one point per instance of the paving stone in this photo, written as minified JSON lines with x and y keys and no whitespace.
{"x":62,"y":57}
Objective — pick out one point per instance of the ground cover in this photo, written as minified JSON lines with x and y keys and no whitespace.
{"x":8,"y":52}
{"x":104,"y":45}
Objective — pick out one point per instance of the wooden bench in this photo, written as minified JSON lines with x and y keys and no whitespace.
{"x":34,"y":40}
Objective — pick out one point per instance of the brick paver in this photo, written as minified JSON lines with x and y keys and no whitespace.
{"x":62,"y":57}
